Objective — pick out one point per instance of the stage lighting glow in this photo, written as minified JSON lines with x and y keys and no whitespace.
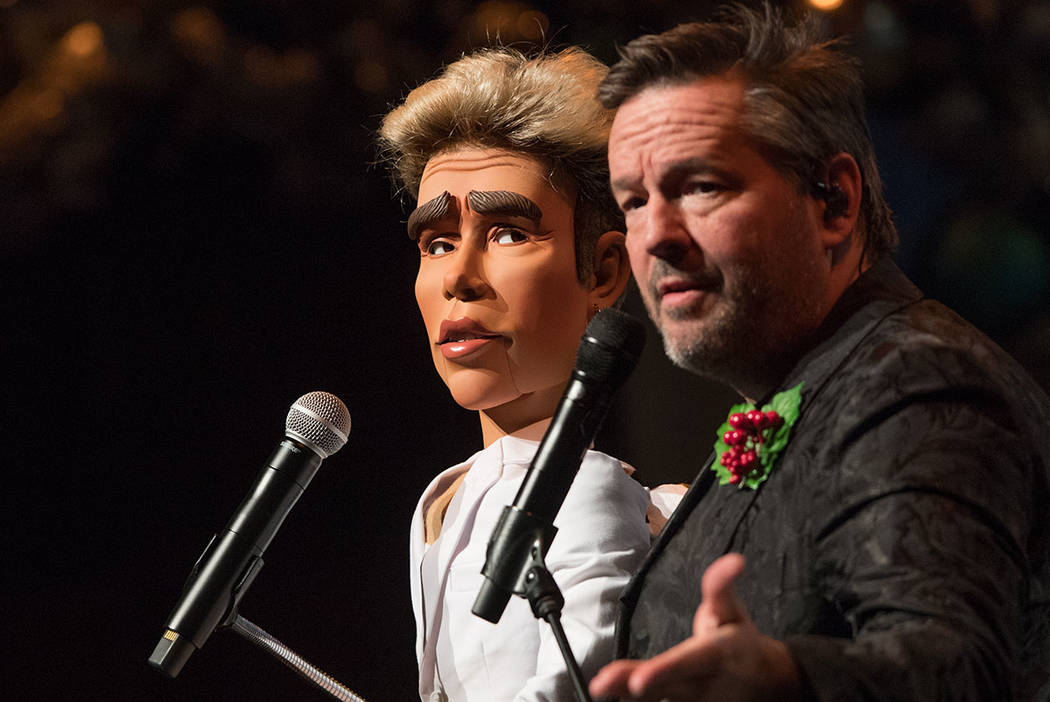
{"x":83,"y":39}
{"x":533,"y":24}
{"x":825,"y":5}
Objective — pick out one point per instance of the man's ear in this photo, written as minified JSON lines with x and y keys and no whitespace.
{"x":841,"y":192}
{"x":611,"y":270}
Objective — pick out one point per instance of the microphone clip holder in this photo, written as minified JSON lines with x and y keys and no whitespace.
{"x":515,"y":564}
{"x":511,"y":550}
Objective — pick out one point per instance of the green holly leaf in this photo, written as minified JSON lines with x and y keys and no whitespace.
{"x":787,"y":404}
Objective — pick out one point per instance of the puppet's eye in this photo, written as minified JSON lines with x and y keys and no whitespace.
{"x":437,"y":246}
{"x":509,"y":235}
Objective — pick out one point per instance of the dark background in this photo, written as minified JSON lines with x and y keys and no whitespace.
{"x":193,"y":234}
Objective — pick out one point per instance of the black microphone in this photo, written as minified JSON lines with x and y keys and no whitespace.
{"x":317,"y":426}
{"x":608,"y":352}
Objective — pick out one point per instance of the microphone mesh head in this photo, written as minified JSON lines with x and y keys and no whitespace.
{"x":610,"y":347}
{"x":320,"y":420}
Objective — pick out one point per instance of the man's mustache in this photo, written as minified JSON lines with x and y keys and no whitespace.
{"x":663,"y":274}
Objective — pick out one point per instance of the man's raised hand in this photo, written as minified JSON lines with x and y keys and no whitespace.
{"x":726,"y":658}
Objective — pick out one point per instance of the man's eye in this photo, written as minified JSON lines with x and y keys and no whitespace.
{"x":701,"y":187}
{"x":437,"y":247}
{"x":632,"y":204}
{"x":509,"y":235}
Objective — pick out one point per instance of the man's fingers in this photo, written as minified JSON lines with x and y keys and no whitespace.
{"x":682,"y":671}
{"x":611,"y":681}
{"x":720,"y":604}
{"x":678,"y":669}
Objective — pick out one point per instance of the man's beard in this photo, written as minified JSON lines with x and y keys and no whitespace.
{"x":729,"y":340}
{"x":764,"y":311}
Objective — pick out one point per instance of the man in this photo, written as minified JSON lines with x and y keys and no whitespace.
{"x":893,"y":517}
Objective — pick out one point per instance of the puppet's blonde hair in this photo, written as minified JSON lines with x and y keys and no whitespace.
{"x":544,"y":106}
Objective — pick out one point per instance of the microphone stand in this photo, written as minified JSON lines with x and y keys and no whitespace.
{"x":546,"y":601}
{"x":293,"y":660}
{"x":514,"y":565}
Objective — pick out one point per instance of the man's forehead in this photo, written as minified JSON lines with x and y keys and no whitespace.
{"x":713,"y":101}
{"x":664,"y":125}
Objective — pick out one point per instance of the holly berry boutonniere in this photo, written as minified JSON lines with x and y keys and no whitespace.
{"x":751,"y":439}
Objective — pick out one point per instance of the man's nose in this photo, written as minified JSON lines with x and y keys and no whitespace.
{"x":665,"y":234}
{"x":465,"y":277}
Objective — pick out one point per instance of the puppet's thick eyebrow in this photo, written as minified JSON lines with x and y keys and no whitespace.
{"x":429,"y":212}
{"x":506,"y":203}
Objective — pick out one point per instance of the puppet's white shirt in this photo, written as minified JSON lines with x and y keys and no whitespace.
{"x":601,"y":540}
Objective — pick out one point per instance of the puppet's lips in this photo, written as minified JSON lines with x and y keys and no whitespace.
{"x":461,"y":348}
{"x":463,"y":329}
{"x":469,"y":337}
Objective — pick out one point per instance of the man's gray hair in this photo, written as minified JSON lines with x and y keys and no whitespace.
{"x":804,"y":97}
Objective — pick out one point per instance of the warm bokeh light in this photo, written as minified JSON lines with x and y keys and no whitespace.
{"x":200,"y":29}
{"x":267,"y":67}
{"x":510,"y":20}
{"x":83,"y":40}
{"x":533,"y":24}
{"x":47,"y":104}
{"x":371,"y":77}
{"x":825,"y":5}
{"x":492,"y":18}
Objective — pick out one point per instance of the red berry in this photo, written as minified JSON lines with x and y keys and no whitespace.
{"x":739,"y":420}
{"x":733,"y":437}
{"x":774,"y":419}
{"x":734,"y":479}
{"x":754,"y":417}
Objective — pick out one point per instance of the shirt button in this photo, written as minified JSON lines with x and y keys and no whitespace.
{"x":438,"y":696}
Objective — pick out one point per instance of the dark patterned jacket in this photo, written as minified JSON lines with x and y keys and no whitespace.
{"x":900,"y":545}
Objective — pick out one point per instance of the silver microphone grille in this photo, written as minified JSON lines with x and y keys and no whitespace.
{"x":320,"y":420}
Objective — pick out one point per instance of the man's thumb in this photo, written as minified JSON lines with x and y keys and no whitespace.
{"x":720,"y":604}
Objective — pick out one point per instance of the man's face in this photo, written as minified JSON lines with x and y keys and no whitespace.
{"x":726,"y":251}
{"x":497,"y":284}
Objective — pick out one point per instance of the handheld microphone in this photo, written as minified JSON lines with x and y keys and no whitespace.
{"x":608,"y":352}
{"x":317,"y":426}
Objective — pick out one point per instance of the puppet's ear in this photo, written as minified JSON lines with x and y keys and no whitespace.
{"x":612,"y":269}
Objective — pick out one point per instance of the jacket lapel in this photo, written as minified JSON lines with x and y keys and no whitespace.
{"x":882,"y":291}
{"x":699,"y":488}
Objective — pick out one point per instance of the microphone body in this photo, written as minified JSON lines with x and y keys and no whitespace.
{"x":233,"y":557}
{"x":607,"y":354}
